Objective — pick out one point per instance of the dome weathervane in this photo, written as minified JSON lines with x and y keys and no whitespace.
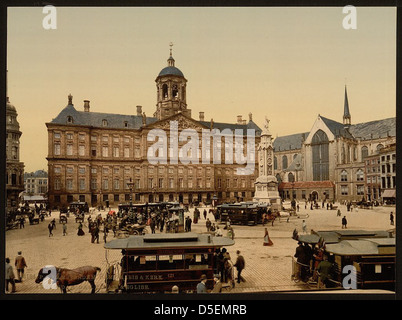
{"x":171,"y":45}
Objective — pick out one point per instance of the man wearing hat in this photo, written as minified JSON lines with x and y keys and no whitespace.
{"x":20,"y":265}
{"x":201,"y":287}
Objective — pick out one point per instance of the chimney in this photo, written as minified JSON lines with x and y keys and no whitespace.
{"x":86,"y":105}
{"x":201,"y":116}
{"x":212,"y":123}
{"x":139,"y":110}
{"x":244,"y":121}
{"x":250,"y":117}
{"x":239,"y":119}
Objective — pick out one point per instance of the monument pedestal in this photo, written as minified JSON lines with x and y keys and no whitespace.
{"x":266,"y":191}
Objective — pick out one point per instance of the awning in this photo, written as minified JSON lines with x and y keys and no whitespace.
{"x":389,"y":194}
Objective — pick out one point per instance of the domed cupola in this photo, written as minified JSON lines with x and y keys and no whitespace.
{"x":171,"y":90}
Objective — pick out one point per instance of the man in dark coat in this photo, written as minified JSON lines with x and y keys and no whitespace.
{"x":240,"y":265}
{"x":302,"y":261}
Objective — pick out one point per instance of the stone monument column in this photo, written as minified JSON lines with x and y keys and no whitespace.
{"x":266,"y":185}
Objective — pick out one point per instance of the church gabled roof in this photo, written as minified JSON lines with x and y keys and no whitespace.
{"x":290,"y":142}
{"x":374,"y":129}
{"x":337,"y":128}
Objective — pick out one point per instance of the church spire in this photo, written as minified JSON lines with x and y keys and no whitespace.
{"x":346,"y":112}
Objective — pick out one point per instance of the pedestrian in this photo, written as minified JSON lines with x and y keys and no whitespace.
{"x":64,"y":228}
{"x":230,"y":233}
{"x":162,"y":223}
{"x":80,"y":231}
{"x":96,"y":234}
{"x":208,"y":224}
{"x":10,"y":277}
{"x":298,"y":207}
{"x":217,"y":286}
{"x":20,"y":265}
{"x":338,"y":214}
{"x":218,"y":232}
{"x":205,"y":214}
{"x":22,"y":222}
{"x":240,"y":265}
{"x":344,"y":222}
{"x":201,"y":287}
{"x":325,"y":269}
{"x":304,"y":226}
{"x":267,"y":240}
{"x":105,"y":233}
{"x":189,"y":224}
{"x":391,"y":218}
{"x":152,"y":225}
{"x":302,"y":261}
{"x":54,"y":223}
{"x":50,"y":227}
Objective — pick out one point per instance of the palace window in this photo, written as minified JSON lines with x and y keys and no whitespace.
{"x":81,"y":150}
{"x":57,"y":149}
{"x":104,"y":123}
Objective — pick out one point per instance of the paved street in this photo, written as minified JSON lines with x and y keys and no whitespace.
{"x":267,"y":268}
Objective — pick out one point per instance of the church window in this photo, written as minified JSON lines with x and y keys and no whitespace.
{"x":284,"y":162}
{"x":364,"y":152}
{"x":379,"y":147}
{"x":291,"y":177}
{"x":275,"y":163}
{"x":344,"y":176}
{"x":360,"y":175}
{"x":320,"y":150}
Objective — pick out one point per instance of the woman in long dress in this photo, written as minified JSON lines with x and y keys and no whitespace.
{"x":267,"y":240}
{"x":80,"y":231}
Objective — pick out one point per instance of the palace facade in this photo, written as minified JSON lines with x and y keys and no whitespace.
{"x":103,"y":158}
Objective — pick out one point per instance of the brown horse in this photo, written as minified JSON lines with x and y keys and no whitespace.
{"x":71,"y":277}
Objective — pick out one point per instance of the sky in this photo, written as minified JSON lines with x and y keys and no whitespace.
{"x":288,"y":64}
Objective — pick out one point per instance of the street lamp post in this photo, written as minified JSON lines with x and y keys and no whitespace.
{"x":131,"y":187}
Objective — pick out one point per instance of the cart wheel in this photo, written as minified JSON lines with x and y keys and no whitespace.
{"x":144,"y":231}
{"x":135,"y":232}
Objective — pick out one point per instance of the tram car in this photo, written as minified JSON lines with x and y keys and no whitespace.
{"x":245,"y":213}
{"x":370,"y":255}
{"x":154,"y":263}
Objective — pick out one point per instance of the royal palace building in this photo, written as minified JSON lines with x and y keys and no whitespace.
{"x":110,"y":158}
{"x":338,"y":160}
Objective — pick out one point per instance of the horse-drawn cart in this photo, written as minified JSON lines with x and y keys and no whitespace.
{"x":131,"y":229}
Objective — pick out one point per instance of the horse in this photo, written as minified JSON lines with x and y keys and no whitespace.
{"x":71,"y":277}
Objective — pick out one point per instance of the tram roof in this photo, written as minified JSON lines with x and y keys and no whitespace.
{"x":363,"y":247}
{"x":169,"y":240}
{"x":335,"y":236}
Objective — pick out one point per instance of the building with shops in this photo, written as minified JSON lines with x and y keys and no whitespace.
{"x":35,"y":183}
{"x":97,"y":157}
{"x":335,"y":153}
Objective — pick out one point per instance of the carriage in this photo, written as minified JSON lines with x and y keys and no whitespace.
{"x":63,"y":218}
{"x":78,"y":207}
{"x":131,"y":229}
{"x":154,"y":263}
